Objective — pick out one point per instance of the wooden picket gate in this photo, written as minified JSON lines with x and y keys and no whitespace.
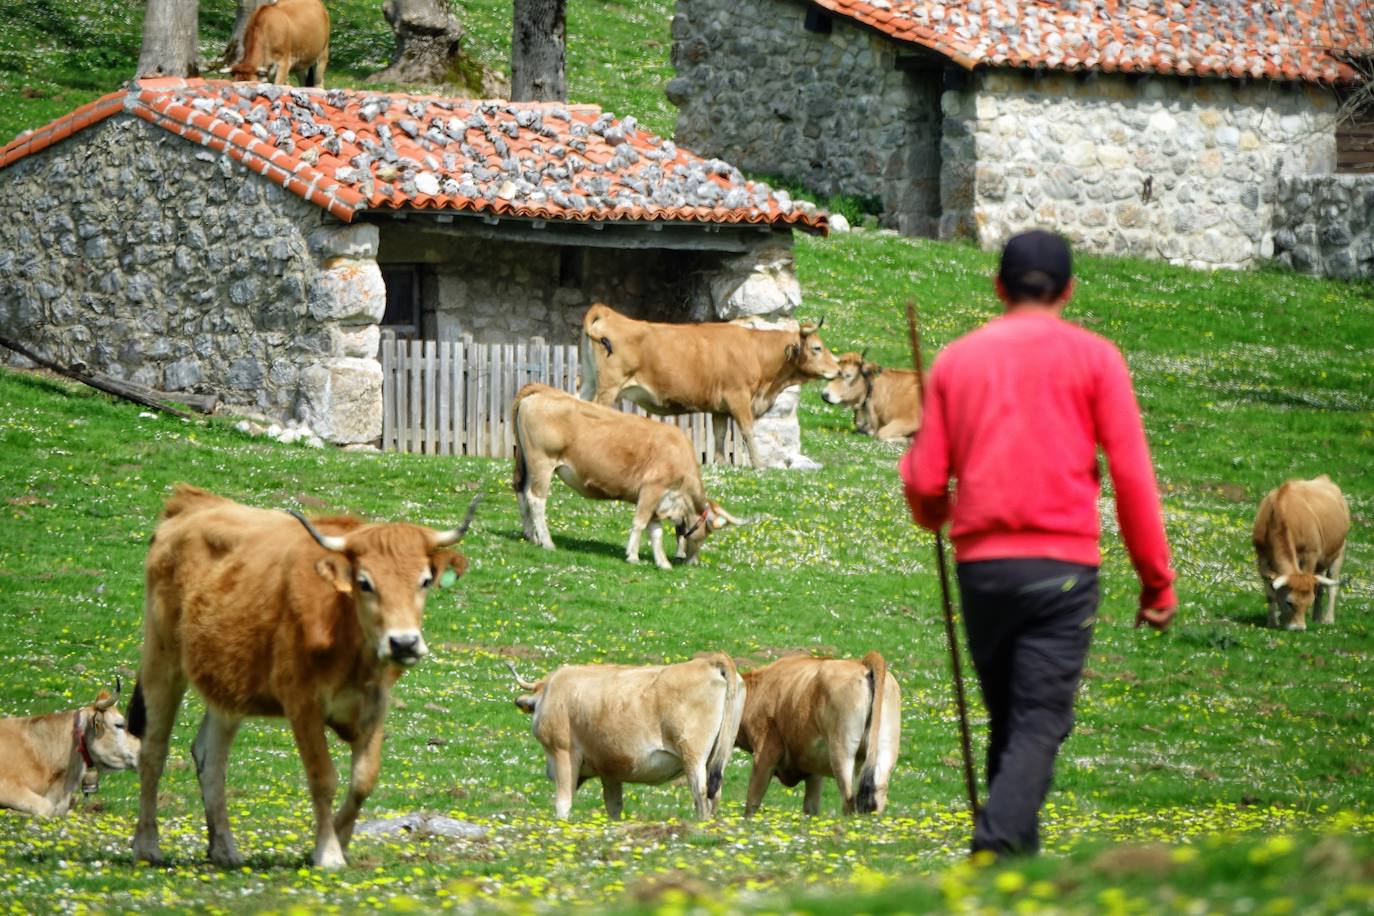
{"x":453,"y":397}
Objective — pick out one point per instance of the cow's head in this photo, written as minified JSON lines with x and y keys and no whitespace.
{"x":388,"y":570}
{"x":528,"y":701}
{"x":693,"y":527}
{"x":809,"y":355}
{"x":101,"y":729}
{"x":854,"y":382}
{"x":1298,"y":591}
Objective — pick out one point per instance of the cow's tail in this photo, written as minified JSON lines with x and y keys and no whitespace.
{"x":866,"y":799}
{"x":137,"y":719}
{"x":520,"y":478}
{"x":592,"y":337}
{"x":729,"y":724}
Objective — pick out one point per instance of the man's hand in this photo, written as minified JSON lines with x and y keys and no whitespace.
{"x":1157,"y":617}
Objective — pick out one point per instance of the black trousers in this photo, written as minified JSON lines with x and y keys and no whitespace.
{"x":1029,"y":624}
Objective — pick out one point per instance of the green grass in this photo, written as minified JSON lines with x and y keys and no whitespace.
{"x":1219,"y":728}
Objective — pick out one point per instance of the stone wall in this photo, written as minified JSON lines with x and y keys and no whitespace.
{"x":832,"y":111}
{"x":136,"y":254}
{"x":1325,"y":225}
{"x":1155,"y":167}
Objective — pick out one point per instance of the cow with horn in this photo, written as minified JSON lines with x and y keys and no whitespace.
{"x":267,"y":613}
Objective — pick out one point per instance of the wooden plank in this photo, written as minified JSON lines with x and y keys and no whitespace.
{"x":402,"y":398}
{"x":496,"y":368}
{"x":478,"y":384}
{"x":444,"y":387}
{"x":513,"y":352}
{"x":556,"y":377}
{"x":460,"y":441}
{"x":388,"y":394}
{"x":430,"y":363}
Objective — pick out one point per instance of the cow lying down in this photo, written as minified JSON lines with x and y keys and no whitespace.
{"x":886,"y":402}
{"x":603,"y":453}
{"x":808,"y":718}
{"x":44,"y":759}
{"x":636,"y":724}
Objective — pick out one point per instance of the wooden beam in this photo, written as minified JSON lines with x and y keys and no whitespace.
{"x":598,"y":233}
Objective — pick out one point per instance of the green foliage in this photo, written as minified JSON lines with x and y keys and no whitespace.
{"x":858,"y":209}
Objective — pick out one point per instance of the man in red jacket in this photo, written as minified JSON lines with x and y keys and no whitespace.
{"x":1014,"y":414}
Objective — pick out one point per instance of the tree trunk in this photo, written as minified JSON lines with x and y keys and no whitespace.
{"x":428,"y":38}
{"x":169,"y":38}
{"x":233,"y":53}
{"x":537,"y":58}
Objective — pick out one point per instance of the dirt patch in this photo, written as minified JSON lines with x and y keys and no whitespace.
{"x":1151,"y":860}
{"x":28,"y":500}
{"x":522,"y":653}
{"x":678,"y":884}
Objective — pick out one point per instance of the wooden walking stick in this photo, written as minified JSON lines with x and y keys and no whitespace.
{"x":970,"y":781}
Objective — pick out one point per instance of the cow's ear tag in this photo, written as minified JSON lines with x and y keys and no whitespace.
{"x":447,"y":578}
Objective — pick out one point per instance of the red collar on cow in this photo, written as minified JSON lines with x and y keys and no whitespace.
{"x":698,"y":523}
{"x":79,"y":739}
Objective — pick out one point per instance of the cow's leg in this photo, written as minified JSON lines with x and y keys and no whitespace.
{"x":812,"y":803}
{"x":535,"y":499}
{"x":718,"y":431}
{"x":162,"y":685}
{"x":767,"y":753}
{"x":897,"y":431}
{"x":1328,"y":607}
{"x":656,"y":540}
{"x":283,"y":74}
{"x":613,"y":794}
{"x":694,"y":768}
{"x":843,"y":751}
{"x":564,"y":780}
{"x":307,"y":725}
{"x":316,"y":72}
{"x":645,"y":506}
{"x":1271,"y":597}
{"x":26,"y":801}
{"x":743,"y":415}
{"x":367,"y":761}
{"x":210,"y":751}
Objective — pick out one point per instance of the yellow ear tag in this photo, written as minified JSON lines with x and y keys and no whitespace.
{"x":447,"y":578}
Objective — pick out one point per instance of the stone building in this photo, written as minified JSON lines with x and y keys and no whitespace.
{"x":1145,"y":127}
{"x":253,"y":240}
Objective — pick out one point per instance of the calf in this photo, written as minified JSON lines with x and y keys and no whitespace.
{"x":1299,"y":540}
{"x":270,"y":615}
{"x":886,"y":402}
{"x":603,"y":453}
{"x":726,"y":370}
{"x":807,"y":718}
{"x":43,"y":759}
{"x":645,"y":725}
{"x":286,"y":35}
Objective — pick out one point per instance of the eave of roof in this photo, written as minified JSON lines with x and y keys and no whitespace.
{"x":351,"y":152}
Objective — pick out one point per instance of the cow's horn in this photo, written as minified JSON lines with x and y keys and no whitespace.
{"x":863,"y":357}
{"x":454,"y":535}
{"x":326,"y":541}
{"x":1280,"y":582}
{"x":105,"y":703}
{"x":519,"y":681}
{"x":1327,"y":581}
{"x":718,"y":510}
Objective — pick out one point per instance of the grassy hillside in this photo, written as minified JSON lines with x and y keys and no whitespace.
{"x":1220,"y":728}
{"x":58,"y":54}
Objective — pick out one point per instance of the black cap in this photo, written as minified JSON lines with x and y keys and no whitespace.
{"x":1036,"y":265}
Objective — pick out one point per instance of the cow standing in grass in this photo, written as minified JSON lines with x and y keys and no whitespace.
{"x":605,"y":454}
{"x":285,"y":36}
{"x":1299,"y":539}
{"x":726,"y":370}
{"x":808,"y":718}
{"x":886,"y":402}
{"x":44,"y":759}
{"x":637,"y":724}
{"x":270,"y":615}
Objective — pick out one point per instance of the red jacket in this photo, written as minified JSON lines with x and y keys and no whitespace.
{"x":1015,"y":412}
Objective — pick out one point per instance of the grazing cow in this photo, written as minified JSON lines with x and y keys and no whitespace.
{"x":283,"y":36}
{"x":44,"y":759}
{"x":1299,"y":542}
{"x":645,"y":725}
{"x":270,"y":615}
{"x":886,"y":402}
{"x":726,"y":370}
{"x":605,"y":454}
{"x":807,"y":718}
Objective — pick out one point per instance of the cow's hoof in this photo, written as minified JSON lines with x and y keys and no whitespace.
{"x":330,"y":858}
{"x":664,"y":565}
{"x":1296,"y":626}
{"x":630,"y":559}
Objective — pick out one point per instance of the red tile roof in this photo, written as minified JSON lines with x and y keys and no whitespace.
{"x":1222,"y":38}
{"x":350,"y":151}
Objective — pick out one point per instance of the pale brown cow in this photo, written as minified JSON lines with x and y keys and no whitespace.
{"x":285,"y":36}
{"x":724,"y":369}
{"x":807,"y":718}
{"x":45,"y":759}
{"x":603,"y":453}
{"x":636,"y":724}
{"x":270,"y":615}
{"x":1299,"y":540}
{"x":886,"y":402}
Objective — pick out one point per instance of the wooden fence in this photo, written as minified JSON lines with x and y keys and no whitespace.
{"x":453,"y":397}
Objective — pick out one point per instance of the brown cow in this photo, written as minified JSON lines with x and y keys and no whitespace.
{"x":807,"y":718}
{"x":646,"y":725}
{"x":270,"y":615}
{"x":43,"y":759}
{"x":284,"y":36}
{"x":724,"y":369}
{"x":886,"y":402}
{"x":1299,"y":542}
{"x":605,"y":454}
